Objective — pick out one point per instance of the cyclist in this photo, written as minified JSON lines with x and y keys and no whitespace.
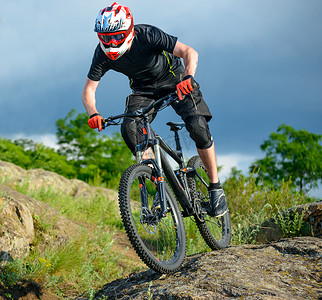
{"x":151,"y":59}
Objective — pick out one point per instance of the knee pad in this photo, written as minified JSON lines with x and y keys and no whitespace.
{"x":128,"y":131}
{"x":198,"y":129}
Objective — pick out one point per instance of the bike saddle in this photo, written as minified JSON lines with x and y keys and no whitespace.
{"x":175,"y":126}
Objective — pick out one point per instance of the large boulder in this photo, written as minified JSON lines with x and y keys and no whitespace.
{"x":16,"y":227}
{"x":19,"y":215}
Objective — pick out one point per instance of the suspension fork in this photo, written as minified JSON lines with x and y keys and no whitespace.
{"x":160,"y":178}
{"x":150,"y":140}
{"x":143,"y":192}
{"x":140,"y":148}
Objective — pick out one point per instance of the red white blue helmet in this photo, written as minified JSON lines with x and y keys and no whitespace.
{"x":115,"y":30}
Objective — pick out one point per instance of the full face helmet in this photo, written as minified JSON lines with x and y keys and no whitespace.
{"x":114,"y":27}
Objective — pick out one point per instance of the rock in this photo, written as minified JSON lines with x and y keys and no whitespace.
{"x":287,"y":269}
{"x":18,"y":217}
{"x":13,"y":175}
{"x":11,"y":171}
{"x":312,"y":216}
{"x":16,"y":228}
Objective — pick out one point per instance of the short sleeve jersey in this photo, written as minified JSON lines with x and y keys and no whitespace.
{"x":148,"y":61}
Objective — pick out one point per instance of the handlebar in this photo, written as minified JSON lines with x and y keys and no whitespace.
{"x":162,"y":103}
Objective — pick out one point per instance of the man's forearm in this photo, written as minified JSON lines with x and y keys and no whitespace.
{"x":190,"y":60}
{"x":89,"y":104}
{"x":88,"y":96}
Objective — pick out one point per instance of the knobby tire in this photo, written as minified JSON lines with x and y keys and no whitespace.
{"x":215,"y":231}
{"x":159,"y":242}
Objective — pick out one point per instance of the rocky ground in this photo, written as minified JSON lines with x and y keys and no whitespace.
{"x":287,"y":269}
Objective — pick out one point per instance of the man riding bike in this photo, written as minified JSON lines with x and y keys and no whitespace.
{"x":151,"y":60}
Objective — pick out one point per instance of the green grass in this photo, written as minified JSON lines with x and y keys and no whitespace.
{"x":195,"y":242}
{"x":93,"y":210}
{"x":291,"y":223}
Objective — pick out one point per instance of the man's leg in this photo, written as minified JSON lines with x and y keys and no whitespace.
{"x":195,"y":113}
{"x":218,"y":205}
{"x":131,"y":129}
{"x":199,"y":132}
{"x":198,"y":129}
{"x":208,"y":157}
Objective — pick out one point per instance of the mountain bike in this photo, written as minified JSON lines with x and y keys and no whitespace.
{"x":154,"y":198}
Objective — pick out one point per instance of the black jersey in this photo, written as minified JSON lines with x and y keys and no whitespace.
{"x":149,"y":63}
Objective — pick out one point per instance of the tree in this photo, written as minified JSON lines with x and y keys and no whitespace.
{"x":95,"y":154}
{"x":291,"y":154}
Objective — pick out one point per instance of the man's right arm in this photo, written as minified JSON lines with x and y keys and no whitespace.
{"x":89,"y":101}
{"x":88,"y":96}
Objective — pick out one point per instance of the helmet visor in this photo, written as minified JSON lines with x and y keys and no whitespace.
{"x":112,"y":39}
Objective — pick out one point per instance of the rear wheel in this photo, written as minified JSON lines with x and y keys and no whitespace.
{"x":216,"y":231}
{"x":159,"y":241}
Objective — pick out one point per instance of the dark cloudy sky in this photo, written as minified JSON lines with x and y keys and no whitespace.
{"x":260,"y":65}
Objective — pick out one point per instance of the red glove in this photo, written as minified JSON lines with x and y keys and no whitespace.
{"x":95,"y":121}
{"x":186,"y":86}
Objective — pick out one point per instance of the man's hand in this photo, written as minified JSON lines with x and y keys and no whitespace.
{"x":186,"y":86}
{"x":95,"y":121}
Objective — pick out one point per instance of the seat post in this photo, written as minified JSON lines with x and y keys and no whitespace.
{"x":175,"y":127}
{"x":178,"y":144}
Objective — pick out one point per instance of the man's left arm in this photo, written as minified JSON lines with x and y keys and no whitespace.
{"x":189,"y":56}
{"x":190,"y":61}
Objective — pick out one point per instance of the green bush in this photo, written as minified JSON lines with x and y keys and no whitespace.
{"x":30,"y":155}
{"x":13,"y":153}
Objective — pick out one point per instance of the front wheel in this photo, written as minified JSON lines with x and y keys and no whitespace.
{"x":160,"y":241}
{"x":216,"y":231}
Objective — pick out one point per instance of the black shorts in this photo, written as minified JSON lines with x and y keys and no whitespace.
{"x":192,"y":104}
{"x":132,"y":129}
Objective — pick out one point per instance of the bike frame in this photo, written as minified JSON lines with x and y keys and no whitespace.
{"x":177,"y":179}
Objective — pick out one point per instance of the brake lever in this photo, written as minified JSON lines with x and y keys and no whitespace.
{"x":103,"y":124}
{"x":107,"y":122}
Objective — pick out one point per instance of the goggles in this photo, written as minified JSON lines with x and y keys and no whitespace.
{"x":112,"y":38}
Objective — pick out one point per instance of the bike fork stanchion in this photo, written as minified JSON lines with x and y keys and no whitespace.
{"x":160,"y":179}
{"x":143,"y":193}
